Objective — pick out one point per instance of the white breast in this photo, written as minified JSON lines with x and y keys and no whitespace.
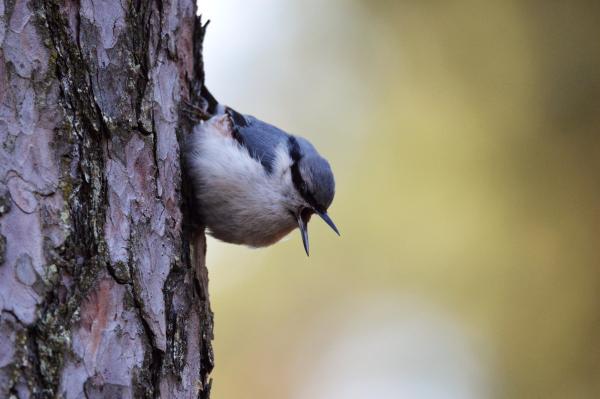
{"x":240,"y":202}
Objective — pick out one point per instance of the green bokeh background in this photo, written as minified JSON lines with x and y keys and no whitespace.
{"x":465,"y":140}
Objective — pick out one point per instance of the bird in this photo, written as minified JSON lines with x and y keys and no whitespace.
{"x":252,"y":182}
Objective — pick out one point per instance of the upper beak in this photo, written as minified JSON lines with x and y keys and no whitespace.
{"x":303,"y":225}
{"x":328,"y":220}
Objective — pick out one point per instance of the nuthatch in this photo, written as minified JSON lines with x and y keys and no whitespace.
{"x":254,"y":183}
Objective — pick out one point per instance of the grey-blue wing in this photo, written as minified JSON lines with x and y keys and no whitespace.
{"x":260,"y":138}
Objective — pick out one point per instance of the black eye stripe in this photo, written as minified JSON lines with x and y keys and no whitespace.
{"x":302,"y":188}
{"x":297,"y":179}
{"x":299,"y":183}
{"x":294,"y":149}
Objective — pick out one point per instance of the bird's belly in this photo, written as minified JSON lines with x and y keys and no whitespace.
{"x":258,"y":231}
{"x":248,"y":214}
{"x":239,"y":201}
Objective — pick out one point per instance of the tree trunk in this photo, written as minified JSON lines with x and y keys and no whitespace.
{"x":103,"y":287}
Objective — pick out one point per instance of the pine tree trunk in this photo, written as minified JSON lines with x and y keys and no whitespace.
{"x":103,"y":287}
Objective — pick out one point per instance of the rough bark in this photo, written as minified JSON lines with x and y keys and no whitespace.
{"x":103,"y":287}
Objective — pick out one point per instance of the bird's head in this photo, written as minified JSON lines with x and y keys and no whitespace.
{"x":313,"y":179}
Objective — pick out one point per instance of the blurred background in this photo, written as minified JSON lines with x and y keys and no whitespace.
{"x":465,"y":141}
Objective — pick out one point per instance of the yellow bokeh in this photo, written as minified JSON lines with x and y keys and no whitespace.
{"x":465,"y":140}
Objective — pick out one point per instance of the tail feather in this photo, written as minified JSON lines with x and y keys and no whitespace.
{"x":199,"y":94}
{"x":211,"y":101}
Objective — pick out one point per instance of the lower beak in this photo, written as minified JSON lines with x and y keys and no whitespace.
{"x":303,"y":231}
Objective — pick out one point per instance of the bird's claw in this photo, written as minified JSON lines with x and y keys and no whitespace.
{"x":194,"y":112}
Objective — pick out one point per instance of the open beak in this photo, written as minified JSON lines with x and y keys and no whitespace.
{"x":329,"y":222}
{"x":304,"y":216}
{"x":303,"y":225}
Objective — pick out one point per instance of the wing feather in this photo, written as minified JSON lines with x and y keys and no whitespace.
{"x":259,"y":138}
